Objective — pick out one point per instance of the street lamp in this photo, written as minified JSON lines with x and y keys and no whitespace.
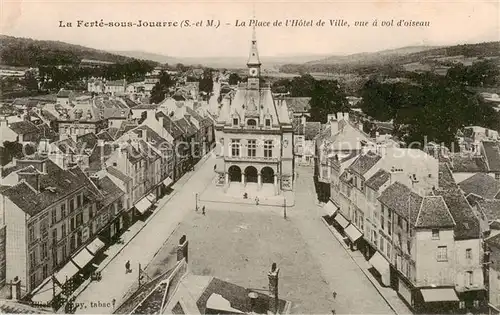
{"x":196,"y":201}
{"x":284,"y":207}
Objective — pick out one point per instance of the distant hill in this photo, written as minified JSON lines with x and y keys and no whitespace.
{"x":26,"y":52}
{"x":149,"y":56}
{"x":373,"y":56}
{"x":394,"y":57}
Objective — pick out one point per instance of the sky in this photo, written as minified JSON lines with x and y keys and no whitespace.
{"x":451,"y":23}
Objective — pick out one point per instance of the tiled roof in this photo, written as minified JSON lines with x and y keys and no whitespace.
{"x":402,"y":200}
{"x":298,"y":104}
{"x":116,"y":83}
{"x":467,"y":163}
{"x":237,"y":297}
{"x":490,"y":207}
{"x":64,"y":93}
{"x":445,"y":177}
{"x":110,"y":191}
{"x":118,"y":174}
{"x":89,"y":139}
{"x":144,"y":291}
{"x":434,"y":213}
{"x":99,"y":155}
{"x":492,"y":155}
{"x":494,"y":240}
{"x":13,"y":307}
{"x":23,"y":127}
{"x":482,"y":185}
{"x":378,"y":179}
{"x":145,"y":106}
{"x":467,"y":223}
{"x":364,"y":163}
{"x":104,"y":135}
{"x":62,"y":182}
{"x":188,"y":128}
{"x":170,"y":126}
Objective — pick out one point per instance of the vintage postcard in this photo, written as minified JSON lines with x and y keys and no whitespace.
{"x":250,"y":157}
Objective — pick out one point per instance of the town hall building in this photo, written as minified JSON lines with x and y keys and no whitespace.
{"x":255,"y":137}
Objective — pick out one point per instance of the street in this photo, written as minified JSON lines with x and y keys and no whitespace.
{"x":355,"y":293}
{"x":141,"y":250}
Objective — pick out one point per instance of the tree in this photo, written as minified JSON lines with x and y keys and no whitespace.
{"x":234,"y":78}
{"x":327,"y":98}
{"x":207,"y":82}
{"x":161,"y":88}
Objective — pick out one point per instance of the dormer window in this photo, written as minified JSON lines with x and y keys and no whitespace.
{"x":251,"y":123}
{"x":268,"y":122}
{"x":235,"y":122}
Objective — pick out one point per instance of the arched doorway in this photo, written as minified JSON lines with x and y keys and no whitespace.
{"x":234,"y":174}
{"x":267,"y":175}
{"x":251,"y":174}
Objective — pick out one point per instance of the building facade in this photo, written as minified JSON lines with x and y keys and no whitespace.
{"x":255,"y":135}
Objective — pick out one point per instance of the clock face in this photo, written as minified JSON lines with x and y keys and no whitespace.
{"x":253,"y":72}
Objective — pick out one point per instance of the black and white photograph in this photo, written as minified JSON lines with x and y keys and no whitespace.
{"x":250,"y":157}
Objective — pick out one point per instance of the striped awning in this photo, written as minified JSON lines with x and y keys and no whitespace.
{"x":143,"y":205}
{"x":95,"y":246}
{"x":339,"y":218}
{"x":352,"y":233}
{"x":68,"y":271}
{"x":82,"y":258}
{"x":330,"y":208}
{"x":167,"y":181}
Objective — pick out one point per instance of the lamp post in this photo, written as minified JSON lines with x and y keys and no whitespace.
{"x":196,"y":201}
{"x":284,"y":207}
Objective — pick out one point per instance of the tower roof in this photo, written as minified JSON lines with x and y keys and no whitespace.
{"x":253,"y":57}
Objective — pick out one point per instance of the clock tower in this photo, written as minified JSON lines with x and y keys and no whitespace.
{"x":253,"y":63}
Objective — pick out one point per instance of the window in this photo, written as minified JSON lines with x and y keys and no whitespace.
{"x":251,"y":123}
{"x":79,"y":219}
{"x":72,"y":243}
{"x":44,"y":226}
{"x":442,"y":253}
{"x":91,"y":212}
{"x":382,"y":217}
{"x":78,"y":201}
{"x":389,"y":222}
{"x":435,"y":234}
{"x":32,"y":234}
{"x":252,"y":148}
{"x":63,"y":230}
{"x":468,"y":253}
{"x":235,"y":121}
{"x":64,"y":252}
{"x":469,"y":279}
{"x":399,"y":221}
{"x":45,"y":271}
{"x":63,"y":210}
{"x":476,"y":303}
{"x":268,"y":122}
{"x":55,"y":258}
{"x":33,"y":259}
{"x":72,"y":224}
{"x":44,"y":252}
{"x":33,"y":280}
{"x":497,"y":176}
{"x":461,"y":304}
{"x":235,"y":147}
{"x":54,"y":216}
{"x":71,"y":205}
{"x":268,"y":148}
{"x":54,"y":236}
{"x":382,"y":243}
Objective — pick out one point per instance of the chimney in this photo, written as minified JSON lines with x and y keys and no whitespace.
{"x":182,"y":249}
{"x":334,"y":124}
{"x":32,"y":179}
{"x":303,"y":120}
{"x":273,"y":288}
{"x":15,"y":288}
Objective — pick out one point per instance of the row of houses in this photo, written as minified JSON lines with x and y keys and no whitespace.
{"x":80,"y":190}
{"x":407,"y":212}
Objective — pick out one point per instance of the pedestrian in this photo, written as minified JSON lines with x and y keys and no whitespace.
{"x":333,"y":312}
{"x":203,"y":210}
{"x":257,"y":201}
{"x":334,"y":295}
{"x":127,"y":266}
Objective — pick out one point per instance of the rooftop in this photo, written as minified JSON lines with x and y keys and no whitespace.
{"x":434,"y":213}
{"x":378,"y":179}
{"x":481,"y":184}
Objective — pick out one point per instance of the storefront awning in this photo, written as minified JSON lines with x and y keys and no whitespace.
{"x":143,"y":205}
{"x":339,"y":218}
{"x":68,"y":271}
{"x":82,"y":258}
{"x":330,"y":208}
{"x":353,"y":233}
{"x":45,"y":292}
{"x":380,"y":263}
{"x":167,"y":181}
{"x":95,"y":246}
{"x":439,"y":295}
{"x":151,"y":197}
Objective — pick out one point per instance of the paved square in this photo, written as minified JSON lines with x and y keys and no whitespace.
{"x":241,"y":246}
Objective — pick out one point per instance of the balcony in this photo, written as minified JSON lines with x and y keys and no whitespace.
{"x":251,"y":159}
